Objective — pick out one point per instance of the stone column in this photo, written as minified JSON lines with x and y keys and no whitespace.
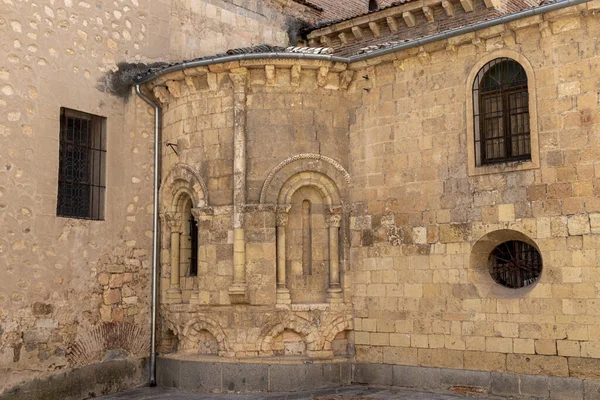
{"x":334,"y":293}
{"x":238,"y":290}
{"x":175,"y":226}
{"x":283,"y":293}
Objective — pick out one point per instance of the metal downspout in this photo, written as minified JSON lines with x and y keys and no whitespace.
{"x":155,"y":233}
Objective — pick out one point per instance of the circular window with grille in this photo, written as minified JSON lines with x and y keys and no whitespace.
{"x":515,"y":264}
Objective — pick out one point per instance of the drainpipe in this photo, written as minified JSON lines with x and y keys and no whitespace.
{"x":155,"y":233}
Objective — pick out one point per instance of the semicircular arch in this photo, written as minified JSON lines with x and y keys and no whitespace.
{"x":308,"y":162}
{"x":183,"y":179}
{"x":324,"y":185}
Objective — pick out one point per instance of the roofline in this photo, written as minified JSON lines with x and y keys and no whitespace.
{"x":376,"y":53}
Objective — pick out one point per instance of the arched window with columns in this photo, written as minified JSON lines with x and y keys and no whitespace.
{"x":183,"y":196}
{"x":308,"y":223}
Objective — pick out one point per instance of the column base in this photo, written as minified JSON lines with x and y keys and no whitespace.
{"x":238,"y":294}
{"x":173,"y":296}
{"x":335,"y":295}
{"x":283,"y":296}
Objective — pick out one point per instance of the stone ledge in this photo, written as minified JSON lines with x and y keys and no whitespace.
{"x":206,"y":376}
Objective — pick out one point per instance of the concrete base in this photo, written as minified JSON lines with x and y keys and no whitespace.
{"x":279,"y":374}
{"x":210,"y":374}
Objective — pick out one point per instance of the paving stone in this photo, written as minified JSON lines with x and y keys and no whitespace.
{"x":345,"y":393}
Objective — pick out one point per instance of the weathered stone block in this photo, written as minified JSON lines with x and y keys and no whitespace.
{"x":578,"y":225}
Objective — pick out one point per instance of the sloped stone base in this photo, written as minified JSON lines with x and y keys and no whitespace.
{"x":257,"y":375}
{"x":85,"y":382}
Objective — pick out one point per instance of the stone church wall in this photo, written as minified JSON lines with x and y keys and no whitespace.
{"x":422,"y":294}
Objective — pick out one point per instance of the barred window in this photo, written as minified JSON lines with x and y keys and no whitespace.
{"x":515,"y":264}
{"x":82,"y":165}
{"x":501,"y":113}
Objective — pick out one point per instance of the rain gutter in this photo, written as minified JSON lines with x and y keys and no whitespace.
{"x":362,"y":57}
{"x":155,"y":233}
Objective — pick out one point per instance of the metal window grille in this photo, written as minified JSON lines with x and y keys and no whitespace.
{"x":82,"y":165}
{"x":194,"y":250}
{"x":515,"y":264}
{"x":501,"y":113}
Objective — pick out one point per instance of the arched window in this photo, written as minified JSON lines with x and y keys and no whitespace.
{"x":501,"y":113}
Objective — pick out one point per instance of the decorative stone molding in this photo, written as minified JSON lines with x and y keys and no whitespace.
{"x":409,"y":19}
{"x":200,"y":323}
{"x":334,"y":217}
{"x":428,"y":11}
{"x":304,"y":156}
{"x":467,"y":5}
{"x":346,"y":79}
{"x":161,"y":93}
{"x":392,"y":23}
{"x":201,"y":212}
{"x":238,"y":77}
{"x":183,"y":175}
{"x":448,"y":7}
{"x":270,"y":74}
{"x":173,"y":221}
{"x":322,"y":76}
{"x":375,"y":29}
{"x":283,"y":214}
{"x":295,"y":75}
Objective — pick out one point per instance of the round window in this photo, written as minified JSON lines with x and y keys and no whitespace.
{"x":515,"y":264}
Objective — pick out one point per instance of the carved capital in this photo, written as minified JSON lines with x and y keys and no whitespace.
{"x":334,"y":216}
{"x":173,"y":221}
{"x":238,"y":77}
{"x":282,"y":213}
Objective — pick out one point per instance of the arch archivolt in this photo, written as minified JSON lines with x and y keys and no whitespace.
{"x":190,"y":330}
{"x":293,"y":323}
{"x":183,"y":180}
{"x":333,"y":328}
{"x":325,"y":185}
{"x":302,"y":163}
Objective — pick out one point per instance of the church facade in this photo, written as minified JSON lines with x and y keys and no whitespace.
{"x":411,"y":190}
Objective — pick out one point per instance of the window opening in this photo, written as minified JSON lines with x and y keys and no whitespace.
{"x":82,"y":164}
{"x":501,"y":113}
{"x":194,"y":250}
{"x":373,"y":6}
{"x":306,"y":238}
{"x":515,"y":264}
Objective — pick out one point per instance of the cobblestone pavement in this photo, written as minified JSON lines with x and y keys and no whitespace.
{"x":346,"y":393}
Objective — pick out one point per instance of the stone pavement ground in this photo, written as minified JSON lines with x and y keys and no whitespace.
{"x":345,"y":393}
